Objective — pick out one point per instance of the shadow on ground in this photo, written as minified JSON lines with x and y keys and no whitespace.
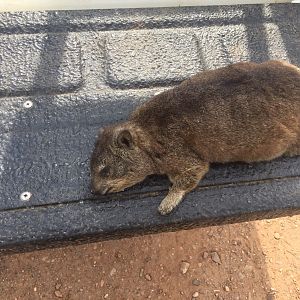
{"x":225,"y":262}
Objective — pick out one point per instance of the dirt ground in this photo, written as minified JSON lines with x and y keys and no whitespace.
{"x":254,"y":260}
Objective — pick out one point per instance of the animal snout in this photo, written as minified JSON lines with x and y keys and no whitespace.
{"x":100,"y":189}
{"x":93,"y":191}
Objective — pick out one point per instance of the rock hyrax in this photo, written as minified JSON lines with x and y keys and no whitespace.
{"x":244,"y":112}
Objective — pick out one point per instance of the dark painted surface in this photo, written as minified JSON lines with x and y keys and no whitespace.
{"x":92,"y":220}
{"x":84,"y":69}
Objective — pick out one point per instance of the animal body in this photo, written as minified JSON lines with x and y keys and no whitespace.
{"x":245,"y":112}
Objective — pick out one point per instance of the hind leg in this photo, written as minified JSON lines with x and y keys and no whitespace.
{"x":293,"y":150}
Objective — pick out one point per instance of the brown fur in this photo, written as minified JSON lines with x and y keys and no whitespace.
{"x":243,"y":112}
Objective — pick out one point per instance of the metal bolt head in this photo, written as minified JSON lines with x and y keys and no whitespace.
{"x":25,"y":196}
{"x":28,"y":104}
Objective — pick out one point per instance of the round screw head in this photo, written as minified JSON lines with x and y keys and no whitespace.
{"x":28,"y":104}
{"x":25,"y":196}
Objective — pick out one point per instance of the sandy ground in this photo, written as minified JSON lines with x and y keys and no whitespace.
{"x":254,"y":260}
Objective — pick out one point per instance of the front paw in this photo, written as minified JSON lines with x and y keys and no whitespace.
{"x":170,"y":202}
{"x":165,"y":208}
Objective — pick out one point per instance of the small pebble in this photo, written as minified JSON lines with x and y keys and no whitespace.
{"x":241,"y":275}
{"x":148,"y":277}
{"x":196,"y":295}
{"x":226,"y":288}
{"x":277,"y":236}
{"x":196,"y":282}
{"x":58,"y":294}
{"x":205,"y":255}
{"x":35,"y":289}
{"x":102,"y":283}
{"x":113,"y":272}
{"x":58,"y":286}
{"x":105,"y":296}
{"x":215,"y":258}
{"x":141,"y":272}
{"x":249,"y":268}
{"x":184,"y":267}
{"x":271,"y":296}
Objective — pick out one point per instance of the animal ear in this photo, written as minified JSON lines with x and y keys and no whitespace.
{"x":124,"y":139}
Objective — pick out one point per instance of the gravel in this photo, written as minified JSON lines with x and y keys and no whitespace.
{"x":58,"y":294}
{"x":148,"y":277}
{"x":184,"y":267}
{"x":196,"y":295}
{"x":277,"y":236}
{"x":215,"y":258}
{"x":196,"y":282}
{"x":113,"y":272}
{"x":141,"y":272}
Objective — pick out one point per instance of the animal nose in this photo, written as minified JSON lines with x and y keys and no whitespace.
{"x":94,"y":190}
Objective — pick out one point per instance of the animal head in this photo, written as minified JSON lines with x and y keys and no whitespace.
{"x":118,"y":161}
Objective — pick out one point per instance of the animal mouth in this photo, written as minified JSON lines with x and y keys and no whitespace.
{"x":101,"y":191}
{"x":114,"y":187}
{"x":106,"y":190}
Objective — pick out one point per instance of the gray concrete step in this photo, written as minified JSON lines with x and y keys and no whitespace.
{"x":65,"y":74}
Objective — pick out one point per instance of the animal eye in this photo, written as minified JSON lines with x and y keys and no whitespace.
{"x":104,"y":171}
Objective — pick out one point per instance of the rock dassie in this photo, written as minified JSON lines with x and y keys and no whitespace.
{"x":244,"y":112}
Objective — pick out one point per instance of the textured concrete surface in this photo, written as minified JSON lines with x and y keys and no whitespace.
{"x":65,"y":74}
{"x":29,"y":64}
{"x":151,"y":58}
